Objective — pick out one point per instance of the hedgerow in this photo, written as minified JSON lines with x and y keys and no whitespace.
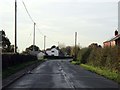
{"x":108,"y":57}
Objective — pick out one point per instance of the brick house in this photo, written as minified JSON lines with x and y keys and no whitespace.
{"x":115,"y":41}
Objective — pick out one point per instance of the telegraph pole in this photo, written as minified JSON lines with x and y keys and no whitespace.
{"x":58,"y":44}
{"x":34,"y":37}
{"x":15,"y":47}
{"x":79,"y":45}
{"x":75,"y":45}
{"x":44,"y":42}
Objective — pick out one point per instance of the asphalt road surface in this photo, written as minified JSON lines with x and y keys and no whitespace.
{"x":62,"y":74}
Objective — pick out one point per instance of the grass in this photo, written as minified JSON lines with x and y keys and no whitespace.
{"x":75,"y":62}
{"x":13,"y":69}
{"x":113,"y":75}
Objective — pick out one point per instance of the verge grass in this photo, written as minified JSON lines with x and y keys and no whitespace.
{"x":13,"y":69}
{"x":113,"y":75}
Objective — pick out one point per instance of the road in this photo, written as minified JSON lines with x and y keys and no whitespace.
{"x":61,"y":74}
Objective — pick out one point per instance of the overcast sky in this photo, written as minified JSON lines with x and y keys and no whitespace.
{"x":94,"y":20}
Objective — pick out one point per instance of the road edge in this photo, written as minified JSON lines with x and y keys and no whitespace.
{"x":9,"y":80}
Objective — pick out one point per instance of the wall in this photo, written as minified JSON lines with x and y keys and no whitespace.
{"x":53,"y":52}
{"x":118,"y":42}
{"x":106,"y":44}
{"x":48,"y":52}
{"x":112,"y":43}
{"x":109,"y":44}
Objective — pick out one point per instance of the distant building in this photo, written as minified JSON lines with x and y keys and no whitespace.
{"x":53,"y":51}
{"x":115,"y":41}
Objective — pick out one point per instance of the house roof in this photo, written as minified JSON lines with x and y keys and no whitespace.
{"x":114,"y":38}
{"x":48,"y":49}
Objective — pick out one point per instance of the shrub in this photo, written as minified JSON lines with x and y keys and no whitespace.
{"x":108,"y":58}
{"x":83,"y":55}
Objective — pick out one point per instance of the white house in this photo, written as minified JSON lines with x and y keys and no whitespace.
{"x":53,"y":51}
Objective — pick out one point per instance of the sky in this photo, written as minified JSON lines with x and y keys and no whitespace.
{"x":94,"y":21}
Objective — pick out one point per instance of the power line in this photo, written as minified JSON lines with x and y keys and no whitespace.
{"x":28,"y":12}
{"x":34,"y":21}
{"x":31,"y":17}
{"x":39,"y":30}
{"x":44,"y":34}
{"x":28,"y":40}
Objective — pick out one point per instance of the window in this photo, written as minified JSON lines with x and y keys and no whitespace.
{"x":52,"y":51}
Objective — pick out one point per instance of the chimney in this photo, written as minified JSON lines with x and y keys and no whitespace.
{"x":116,"y":33}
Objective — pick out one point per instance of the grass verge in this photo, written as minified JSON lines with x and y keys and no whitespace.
{"x":75,"y":62}
{"x":13,"y":69}
{"x":103,"y":72}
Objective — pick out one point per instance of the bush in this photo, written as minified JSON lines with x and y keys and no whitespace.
{"x":108,"y":58}
{"x":83,"y":55}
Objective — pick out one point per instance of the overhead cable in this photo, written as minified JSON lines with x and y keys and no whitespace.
{"x":28,"y":12}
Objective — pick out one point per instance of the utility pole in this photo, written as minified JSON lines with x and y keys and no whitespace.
{"x":58,"y":44}
{"x":15,"y":47}
{"x":79,"y":45}
{"x":34,"y":37}
{"x":44,"y":42}
{"x":75,"y":45}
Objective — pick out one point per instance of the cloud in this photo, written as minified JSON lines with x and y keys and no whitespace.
{"x":94,"y":20}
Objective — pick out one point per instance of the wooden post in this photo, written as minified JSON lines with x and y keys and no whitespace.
{"x":15,"y":47}
{"x":44,"y":42}
{"x":75,"y":45}
{"x":34,"y":37}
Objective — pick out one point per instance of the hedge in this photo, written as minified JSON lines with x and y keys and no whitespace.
{"x":13,"y":59}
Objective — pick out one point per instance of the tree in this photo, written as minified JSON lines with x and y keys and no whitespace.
{"x":30,"y":48}
{"x":11,"y":48}
{"x":73,"y":50}
{"x":68,"y":50}
{"x":53,"y":46}
{"x":61,"y":45}
{"x":5,"y":42}
{"x":94,"y":45}
{"x":63,"y":50}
